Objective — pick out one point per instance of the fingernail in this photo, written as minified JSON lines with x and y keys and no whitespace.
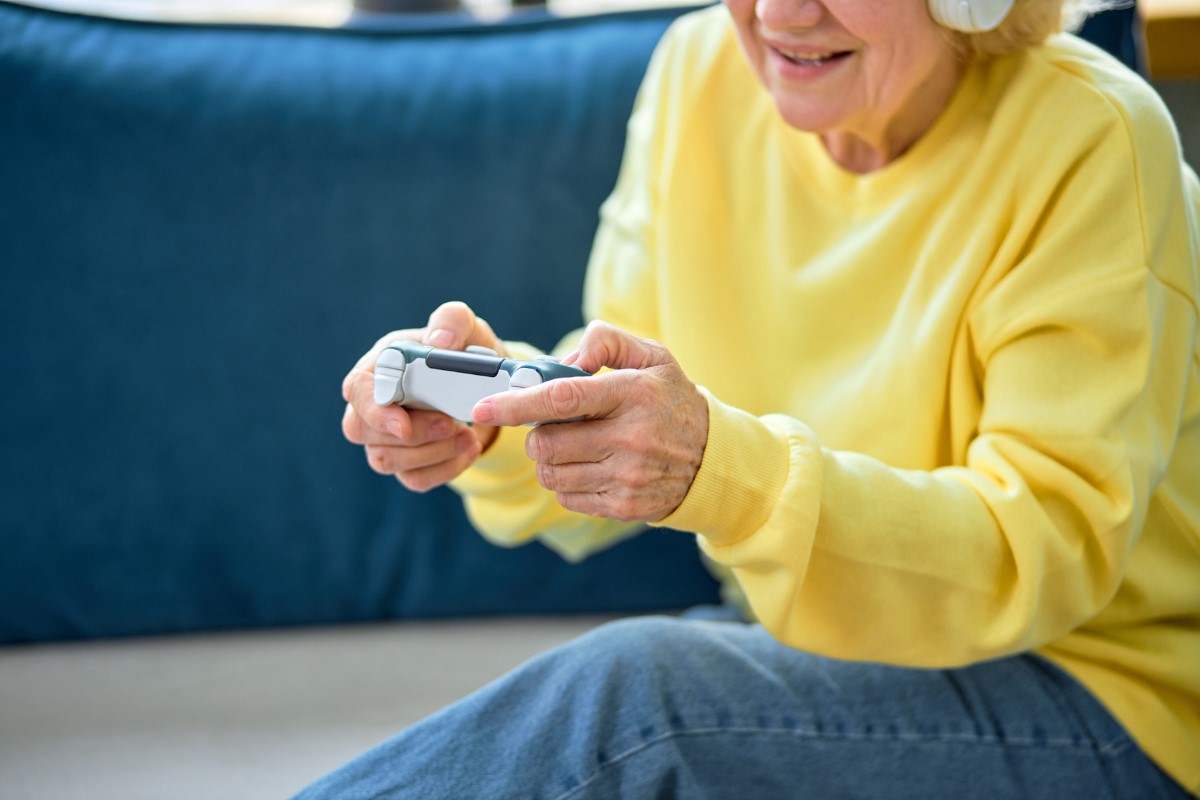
{"x":440,"y":338}
{"x":483,"y":413}
{"x":395,"y":428}
{"x":440,"y":429}
{"x":464,"y":441}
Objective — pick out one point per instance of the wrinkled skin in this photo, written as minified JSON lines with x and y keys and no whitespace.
{"x":631,"y":456}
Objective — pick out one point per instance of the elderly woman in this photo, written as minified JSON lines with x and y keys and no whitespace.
{"x":899,"y":302}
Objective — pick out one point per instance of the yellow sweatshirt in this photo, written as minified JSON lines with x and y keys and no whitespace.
{"x":954,"y":403}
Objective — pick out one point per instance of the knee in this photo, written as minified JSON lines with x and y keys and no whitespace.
{"x":640,"y":647}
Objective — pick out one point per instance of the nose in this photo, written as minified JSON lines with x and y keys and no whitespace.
{"x":782,"y":15}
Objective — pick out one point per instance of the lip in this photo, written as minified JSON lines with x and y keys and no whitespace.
{"x":798,"y":71}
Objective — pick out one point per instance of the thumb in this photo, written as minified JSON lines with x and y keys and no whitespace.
{"x":605,"y":345}
{"x":453,"y":326}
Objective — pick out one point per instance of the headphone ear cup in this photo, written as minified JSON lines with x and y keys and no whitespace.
{"x":970,"y":16}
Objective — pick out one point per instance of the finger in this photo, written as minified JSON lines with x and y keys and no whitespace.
{"x":484,"y":335}
{"x":391,"y":419}
{"x":425,"y":478}
{"x":450,"y":325}
{"x":591,"y":477}
{"x":604,"y":504}
{"x":455,"y":326}
{"x":427,"y":426}
{"x":605,"y":345}
{"x":397,"y":460}
{"x":353,"y":427}
{"x":431,"y":426}
{"x":574,"y":442}
{"x":566,"y":398}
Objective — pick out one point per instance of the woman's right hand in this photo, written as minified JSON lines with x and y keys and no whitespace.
{"x":423,"y":449}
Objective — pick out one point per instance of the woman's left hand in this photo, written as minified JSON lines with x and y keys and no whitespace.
{"x":634,"y":453}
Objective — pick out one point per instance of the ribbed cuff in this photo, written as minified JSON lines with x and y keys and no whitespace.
{"x":743,"y":471}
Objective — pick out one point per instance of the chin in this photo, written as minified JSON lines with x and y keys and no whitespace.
{"x":811,"y":111}
{"x":808,"y":119}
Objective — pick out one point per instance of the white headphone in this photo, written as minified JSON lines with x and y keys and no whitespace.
{"x":970,"y":16}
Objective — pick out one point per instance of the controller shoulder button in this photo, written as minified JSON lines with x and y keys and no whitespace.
{"x":524,"y":378}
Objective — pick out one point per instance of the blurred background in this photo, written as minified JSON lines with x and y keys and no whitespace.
{"x":330,"y":13}
{"x":1170,"y":28}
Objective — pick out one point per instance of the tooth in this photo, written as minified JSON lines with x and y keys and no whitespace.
{"x":807,"y":56}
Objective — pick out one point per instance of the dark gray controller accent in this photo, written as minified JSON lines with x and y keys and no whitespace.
{"x":451,"y":381}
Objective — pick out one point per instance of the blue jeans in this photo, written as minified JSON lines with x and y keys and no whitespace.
{"x":685,"y":708}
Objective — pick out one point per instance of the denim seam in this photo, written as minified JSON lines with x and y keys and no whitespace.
{"x":968,"y":739}
{"x":1045,"y":668}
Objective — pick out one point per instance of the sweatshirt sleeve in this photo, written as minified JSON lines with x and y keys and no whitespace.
{"x":1084,"y":352}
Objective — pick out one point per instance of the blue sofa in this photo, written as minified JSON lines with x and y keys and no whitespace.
{"x":201,"y":228}
{"x":204,"y":226}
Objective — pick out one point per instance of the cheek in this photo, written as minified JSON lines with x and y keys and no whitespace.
{"x":742,"y":13}
{"x":740,"y":10}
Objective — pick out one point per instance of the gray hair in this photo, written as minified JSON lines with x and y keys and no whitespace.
{"x":1031,"y":21}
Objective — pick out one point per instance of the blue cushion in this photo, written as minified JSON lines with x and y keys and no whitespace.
{"x":203,"y":227}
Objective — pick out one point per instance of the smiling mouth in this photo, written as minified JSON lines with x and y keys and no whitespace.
{"x":804,"y":59}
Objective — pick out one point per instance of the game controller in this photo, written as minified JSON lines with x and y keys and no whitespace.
{"x":452,"y":381}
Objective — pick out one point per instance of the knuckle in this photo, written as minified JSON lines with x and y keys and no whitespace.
{"x":377,"y":459}
{"x":352,"y":426}
{"x":579,"y":503}
{"x":630,"y":441}
{"x":642,"y":390}
{"x":543,"y":445}
{"x":484,"y":330}
{"x":534,"y":446}
{"x":565,"y":398}
{"x":429,"y":427}
{"x":547,"y":476}
{"x":373,"y":418}
{"x":659,"y":350}
{"x":629,"y":477}
{"x":598,"y":326}
{"x":452,"y":313}
{"x":625,"y":507}
{"x":414,"y":481}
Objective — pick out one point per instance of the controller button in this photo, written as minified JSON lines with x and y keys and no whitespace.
{"x":391,"y":357}
{"x":388,"y":389}
{"x":524,"y":378}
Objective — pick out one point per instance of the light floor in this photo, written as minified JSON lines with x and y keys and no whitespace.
{"x":236,"y":716}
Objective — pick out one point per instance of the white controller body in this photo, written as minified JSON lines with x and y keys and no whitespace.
{"x":451,"y":381}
